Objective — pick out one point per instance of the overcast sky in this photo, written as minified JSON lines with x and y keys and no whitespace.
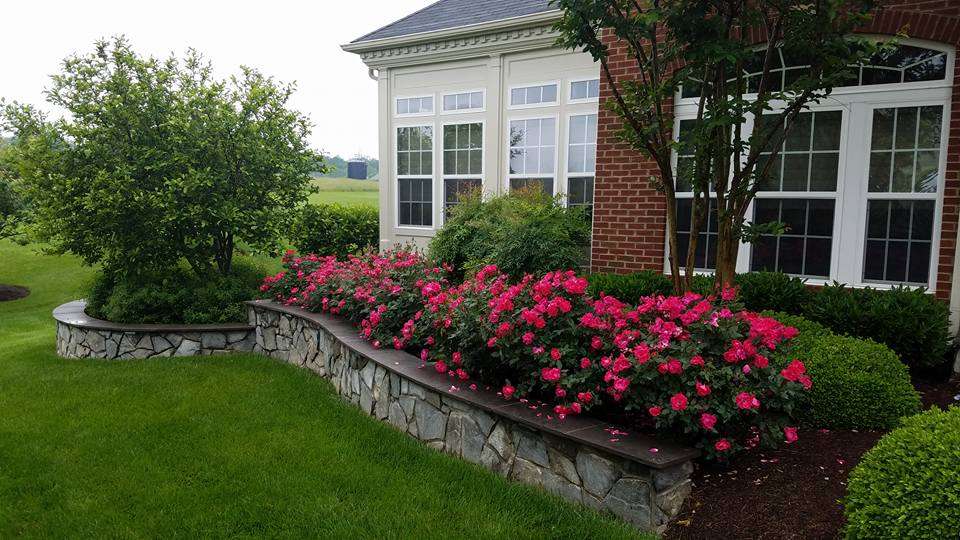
{"x":290,"y":40}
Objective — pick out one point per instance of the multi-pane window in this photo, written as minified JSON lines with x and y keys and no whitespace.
{"x":901,"y":64}
{"x":705,"y":254}
{"x":462,"y":161}
{"x":810,"y":155}
{"x":464,"y":101}
{"x":534,"y":95}
{"x":533,"y":154}
{"x":415,"y":176}
{"x":581,"y":160}
{"x":805,"y":248}
{"x":901,"y":189}
{"x":583,"y":90}
{"x":856,"y":182}
{"x":415,"y":105}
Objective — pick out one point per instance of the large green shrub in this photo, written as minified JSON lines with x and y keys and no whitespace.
{"x":772,"y":290}
{"x":857,"y":384}
{"x":334,"y":229}
{"x":908,"y":486}
{"x":630,"y":287}
{"x":175,"y":296}
{"x":911,"y":322}
{"x":519,"y":232}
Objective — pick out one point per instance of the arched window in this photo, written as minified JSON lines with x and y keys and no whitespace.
{"x":859,"y":179}
{"x":901,"y":64}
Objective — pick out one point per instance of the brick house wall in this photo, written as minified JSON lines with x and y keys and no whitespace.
{"x":630,"y":216}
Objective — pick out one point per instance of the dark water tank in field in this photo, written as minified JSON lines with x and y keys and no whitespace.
{"x":357,"y":169}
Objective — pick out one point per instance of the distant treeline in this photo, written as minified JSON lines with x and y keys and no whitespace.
{"x":337,"y":167}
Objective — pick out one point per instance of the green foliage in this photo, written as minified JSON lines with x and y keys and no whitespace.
{"x":911,"y":322}
{"x":857,"y":384}
{"x":630,"y":287}
{"x":158,"y":161}
{"x":174,"y":296}
{"x":908,"y":486}
{"x":334,"y":229}
{"x":519,"y":232}
{"x":772,"y":290}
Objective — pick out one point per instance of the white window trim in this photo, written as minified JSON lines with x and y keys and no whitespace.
{"x":554,"y":103}
{"x":569,"y":91}
{"x":481,"y":109}
{"x":567,"y":175}
{"x":483,"y":161}
{"x":556,"y":153}
{"x":397,"y":114}
{"x":849,"y":235}
{"x":396,"y":178}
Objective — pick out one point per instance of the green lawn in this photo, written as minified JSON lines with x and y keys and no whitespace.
{"x":346,"y":191}
{"x":223,"y":446}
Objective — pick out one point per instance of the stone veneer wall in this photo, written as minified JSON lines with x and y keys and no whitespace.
{"x":82,"y":336}
{"x":638,"y":478}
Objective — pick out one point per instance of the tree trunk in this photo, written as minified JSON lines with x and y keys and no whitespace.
{"x":727,"y":248}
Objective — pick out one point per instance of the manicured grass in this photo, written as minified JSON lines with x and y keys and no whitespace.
{"x":222,"y":446}
{"x":346,"y":191}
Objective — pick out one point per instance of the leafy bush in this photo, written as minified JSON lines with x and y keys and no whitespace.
{"x":174,"y":296}
{"x":630,"y":287}
{"x":908,"y":486}
{"x":519,"y":232}
{"x":909,"y":321}
{"x":334,"y":229}
{"x":699,"y":368}
{"x":772,"y":290}
{"x":857,"y":384}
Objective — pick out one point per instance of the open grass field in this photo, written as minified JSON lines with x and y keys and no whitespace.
{"x":222,"y":446}
{"x":346,"y":191}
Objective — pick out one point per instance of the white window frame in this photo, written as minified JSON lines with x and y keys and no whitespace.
{"x":396,"y":177}
{"x":569,"y":91}
{"x":850,"y":210}
{"x":483,"y":100}
{"x":483,"y":160}
{"x":567,"y":175}
{"x":554,"y":103}
{"x":398,"y":114}
{"x":556,"y":153}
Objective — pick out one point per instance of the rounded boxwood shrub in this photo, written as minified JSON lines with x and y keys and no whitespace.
{"x":335,"y":229}
{"x":521,"y":232}
{"x":630,"y":287}
{"x":175,"y":296}
{"x":911,"y":322}
{"x":857,"y":384}
{"x":908,"y":486}
{"x":773,"y":290}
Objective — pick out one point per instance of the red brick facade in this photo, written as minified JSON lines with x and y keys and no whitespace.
{"x":629,"y":216}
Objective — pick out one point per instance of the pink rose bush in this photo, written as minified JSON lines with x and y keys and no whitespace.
{"x":691,"y":366}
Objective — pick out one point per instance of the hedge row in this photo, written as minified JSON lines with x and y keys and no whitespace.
{"x":914,"y":324}
{"x":335,"y":229}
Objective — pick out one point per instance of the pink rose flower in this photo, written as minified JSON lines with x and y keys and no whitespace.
{"x":678,"y":402}
{"x":790,"y":433}
{"x":508,"y":391}
{"x":747,"y":401}
{"x":702,"y":389}
{"x":654,"y":411}
{"x":708,"y":420}
{"x":550,"y":374}
{"x":440,"y":366}
{"x":722,"y":445}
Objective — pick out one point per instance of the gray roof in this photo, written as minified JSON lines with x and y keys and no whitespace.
{"x":447,"y":14}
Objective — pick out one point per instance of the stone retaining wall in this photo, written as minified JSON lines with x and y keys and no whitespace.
{"x":638,"y":478}
{"x":82,"y":336}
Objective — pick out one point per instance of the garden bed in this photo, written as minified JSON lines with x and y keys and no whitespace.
{"x":13,"y":292}
{"x":82,"y":336}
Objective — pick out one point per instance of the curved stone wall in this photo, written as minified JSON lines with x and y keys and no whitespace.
{"x":82,"y":336}
{"x":642,"y":479}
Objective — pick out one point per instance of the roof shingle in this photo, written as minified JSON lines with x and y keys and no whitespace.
{"x":447,"y":14}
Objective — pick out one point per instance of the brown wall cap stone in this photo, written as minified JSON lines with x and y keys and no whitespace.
{"x":74,"y":314}
{"x":653,"y":451}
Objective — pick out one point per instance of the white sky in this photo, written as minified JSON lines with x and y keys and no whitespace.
{"x":287,"y":39}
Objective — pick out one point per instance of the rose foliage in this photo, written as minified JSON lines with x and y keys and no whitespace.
{"x":693,"y":366}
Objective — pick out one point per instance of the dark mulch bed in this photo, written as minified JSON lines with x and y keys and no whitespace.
{"x":13,"y":292}
{"x":792,"y":492}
